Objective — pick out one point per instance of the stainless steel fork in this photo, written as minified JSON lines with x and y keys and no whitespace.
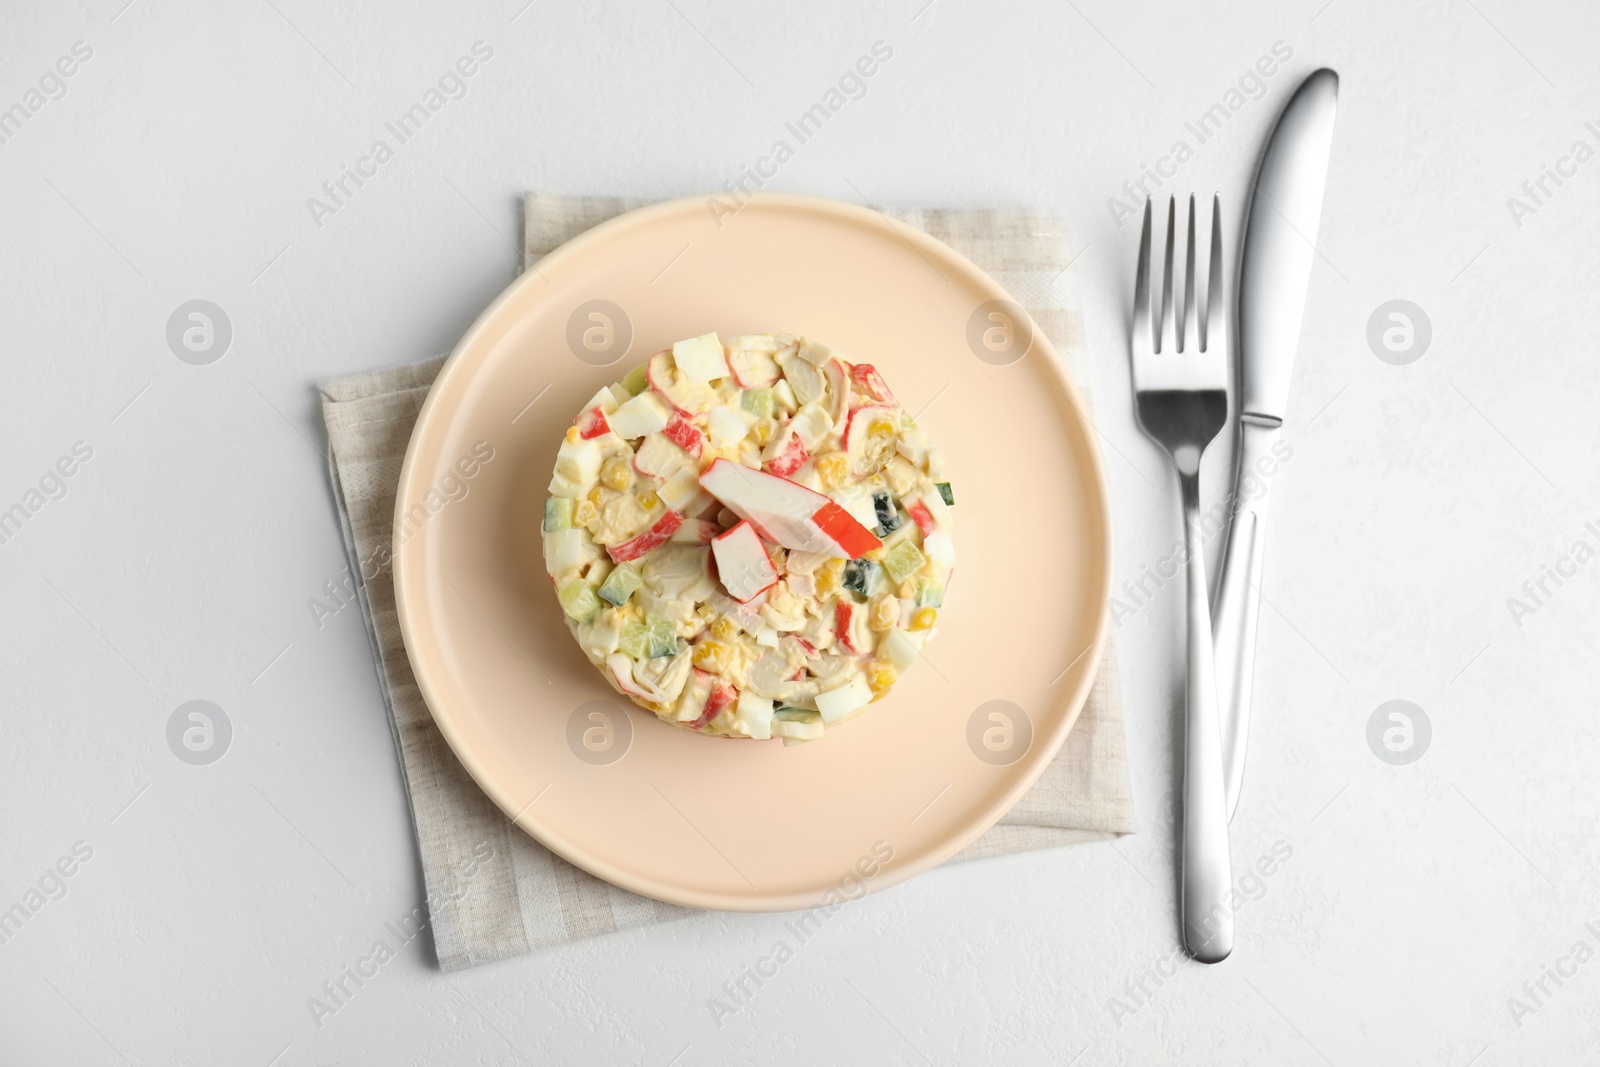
{"x":1180,"y":384}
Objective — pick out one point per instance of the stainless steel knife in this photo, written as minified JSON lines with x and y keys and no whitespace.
{"x":1275,"y":265}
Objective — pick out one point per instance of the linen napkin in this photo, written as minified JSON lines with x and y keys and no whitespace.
{"x":492,"y":890}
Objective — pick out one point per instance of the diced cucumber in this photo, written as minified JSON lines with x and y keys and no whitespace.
{"x":762,"y":403}
{"x":663,"y":635}
{"x":888,"y":515}
{"x":902,"y":561}
{"x":557,"y":513}
{"x":578,"y":600}
{"x":635,"y":639}
{"x":635,"y":381}
{"x":862,"y":576}
{"x":619,"y":585}
{"x":944,"y":491}
{"x":793,"y":714}
{"x":929,"y":594}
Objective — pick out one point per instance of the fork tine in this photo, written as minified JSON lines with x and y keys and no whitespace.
{"x":1189,"y":336}
{"x":1141,"y":289}
{"x":1168,"y":340}
{"x":1214,"y":279}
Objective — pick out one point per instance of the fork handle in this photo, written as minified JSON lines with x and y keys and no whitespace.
{"x":1236,"y":606}
{"x":1207,"y":876}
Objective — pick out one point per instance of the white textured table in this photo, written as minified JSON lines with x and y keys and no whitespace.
{"x":1421,"y":913}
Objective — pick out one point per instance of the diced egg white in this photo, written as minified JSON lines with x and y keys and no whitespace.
{"x":812,"y":424}
{"x":814,"y":352}
{"x":700,"y":359}
{"x":693,"y":699}
{"x":728,"y":426}
{"x":785,"y":622}
{"x":939,"y":548}
{"x":673,"y":571}
{"x":658,"y":457}
{"x":645,"y":413}
{"x":810,"y":385}
{"x":785,"y":394}
{"x":677,"y":609}
{"x":680,"y":489}
{"x":753,"y":717}
{"x":913,"y":444}
{"x":796,"y":731}
{"x":566,"y":550}
{"x":578,"y":461}
{"x":566,"y":487}
{"x":898,"y":649}
{"x":603,"y":400}
{"x":599,"y":638}
{"x":835,"y":704}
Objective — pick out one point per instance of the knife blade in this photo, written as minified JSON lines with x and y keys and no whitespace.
{"x":1279,"y":247}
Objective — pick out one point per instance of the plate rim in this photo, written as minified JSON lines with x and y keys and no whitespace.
{"x":573,"y":851}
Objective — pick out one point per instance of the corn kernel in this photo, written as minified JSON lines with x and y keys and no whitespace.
{"x":724,"y":629}
{"x":879,"y":444}
{"x":648,"y":499}
{"x":763,"y":430}
{"x":597,"y":496}
{"x":833,"y":468}
{"x":829,"y":577}
{"x":617,"y":473}
{"x":572,"y":435}
{"x":584,"y":513}
{"x":881,"y":675}
{"x":884,"y":613}
{"x":923,"y":618}
{"x":711,"y":656}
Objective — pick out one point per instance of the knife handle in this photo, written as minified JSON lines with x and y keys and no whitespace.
{"x":1237,"y":604}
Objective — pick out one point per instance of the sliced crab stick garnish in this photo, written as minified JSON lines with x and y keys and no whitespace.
{"x":787,"y":513}
{"x":743,"y":564}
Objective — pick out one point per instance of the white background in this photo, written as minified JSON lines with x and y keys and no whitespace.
{"x":1417,"y":900}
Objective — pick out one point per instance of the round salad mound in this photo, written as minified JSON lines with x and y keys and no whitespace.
{"x":751,"y":538}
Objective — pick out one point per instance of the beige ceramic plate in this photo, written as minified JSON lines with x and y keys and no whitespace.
{"x":743,"y":825}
